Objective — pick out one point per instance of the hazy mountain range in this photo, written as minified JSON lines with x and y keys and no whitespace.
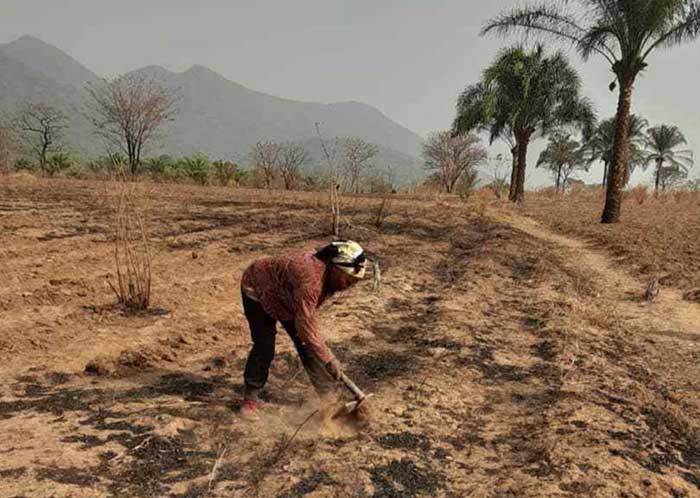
{"x":216,"y":116}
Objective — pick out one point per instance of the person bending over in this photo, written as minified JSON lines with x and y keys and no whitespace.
{"x":288,"y":289}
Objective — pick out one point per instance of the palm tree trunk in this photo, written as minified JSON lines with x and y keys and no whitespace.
{"x":518,"y":189}
{"x":558,"y":177}
{"x":513,"y":173}
{"x":605,"y":174}
{"x":658,"y":177}
{"x":616,"y":173}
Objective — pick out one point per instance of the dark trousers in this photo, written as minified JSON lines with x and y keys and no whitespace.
{"x":263,"y":329}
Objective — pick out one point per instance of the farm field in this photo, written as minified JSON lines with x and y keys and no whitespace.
{"x":508,"y":351}
{"x":658,"y":237}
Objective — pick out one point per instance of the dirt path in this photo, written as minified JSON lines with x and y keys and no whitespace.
{"x":505,"y":361}
{"x":668,"y":314}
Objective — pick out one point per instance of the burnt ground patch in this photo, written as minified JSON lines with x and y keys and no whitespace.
{"x":448,"y":344}
{"x":68,"y":475}
{"x":308,"y":485}
{"x":155,"y":463}
{"x":380,"y":366}
{"x":150,"y":463}
{"x":404,"y":479}
{"x":403,"y":440}
{"x":15,"y":473}
{"x":546,"y":350}
{"x":482,"y":359}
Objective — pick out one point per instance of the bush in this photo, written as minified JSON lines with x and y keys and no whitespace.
{"x":196,"y":168}
{"x":158,"y":166}
{"x":58,"y":163}
{"x":467,"y":184}
{"x":225,"y":172}
{"x":24,"y":164}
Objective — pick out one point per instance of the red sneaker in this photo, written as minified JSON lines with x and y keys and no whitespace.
{"x":249,"y":410}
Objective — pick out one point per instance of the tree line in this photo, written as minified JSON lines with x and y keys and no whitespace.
{"x":526,"y":94}
{"x":129,"y":114}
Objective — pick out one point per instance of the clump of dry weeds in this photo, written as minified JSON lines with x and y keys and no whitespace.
{"x":132,"y":253}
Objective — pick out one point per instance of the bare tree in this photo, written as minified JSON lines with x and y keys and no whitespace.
{"x":331,"y":154}
{"x":40,"y":126}
{"x":356,"y":155}
{"x":292,"y":157}
{"x":451,"y":157}
{"x":129,"y":110}
{"x":266,"y":159}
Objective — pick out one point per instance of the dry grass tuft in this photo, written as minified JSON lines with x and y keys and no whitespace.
{"x":132,"y":255}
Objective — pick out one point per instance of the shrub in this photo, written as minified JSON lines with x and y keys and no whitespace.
{"x":24,"y":164}
{"x":158,"y":166}
{"x":196,"y":168}
{"x":225,"y":172}
{"x":467,"y":184}
{"x":58,"y":163}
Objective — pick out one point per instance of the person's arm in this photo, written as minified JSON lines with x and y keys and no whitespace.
{"x":307,"y":330}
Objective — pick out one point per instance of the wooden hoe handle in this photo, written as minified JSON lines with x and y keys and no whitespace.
{"x":352,"y":387}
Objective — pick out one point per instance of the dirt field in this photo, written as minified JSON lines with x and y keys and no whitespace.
{"x":659,"y":237}
{"x":506,"y":359}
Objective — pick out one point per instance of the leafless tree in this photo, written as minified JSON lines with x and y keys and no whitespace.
{"x":356,"y":156}
{"x":331,"y":155}
{"x":40,"y":127}
{"x":266,"y":160}
{"x":128,"y":111}
{"x":292,"y":157}
{"x":452,"y":157}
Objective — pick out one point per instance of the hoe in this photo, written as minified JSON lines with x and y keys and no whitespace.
{"x":352,"y":406}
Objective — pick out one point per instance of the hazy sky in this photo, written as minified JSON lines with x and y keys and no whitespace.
{"x":409,"y":58}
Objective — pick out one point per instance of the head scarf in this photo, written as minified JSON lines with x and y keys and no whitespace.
{"x":350,"y":258}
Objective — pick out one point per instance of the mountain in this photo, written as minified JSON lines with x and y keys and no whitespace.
{"x":20,"y":83}
{"x":49,"y":61}
{"x":216,"y":116}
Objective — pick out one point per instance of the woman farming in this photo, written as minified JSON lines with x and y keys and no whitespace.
{"x":288,"y":289}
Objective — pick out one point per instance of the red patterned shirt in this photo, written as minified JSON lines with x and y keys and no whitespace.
{"x":290,"y":288}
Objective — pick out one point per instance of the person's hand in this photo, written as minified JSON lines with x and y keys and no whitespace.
{"x":334,"y":368}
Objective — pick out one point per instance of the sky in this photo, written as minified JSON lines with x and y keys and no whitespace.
{"x":409,"y":58}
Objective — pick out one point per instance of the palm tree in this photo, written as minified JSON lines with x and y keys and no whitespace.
{"x":562,"y":157}
{"x":523,"y":95}
{"x":662,"y":144}
{"x":625,"y":33}
{"x":600,"y":145}
{"x":472,"y":113}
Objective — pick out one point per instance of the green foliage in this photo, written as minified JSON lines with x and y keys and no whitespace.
{"x":24,"y":164}
{"x":157,"y":166}
{"x":599,"y":146}
{"x":524,"y":92}
{"x":196,"y":168}
{"x":225,"y":172}
{"x":662,"y":149}
{"x":562,"y":157}
{"x":58,"y":163}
